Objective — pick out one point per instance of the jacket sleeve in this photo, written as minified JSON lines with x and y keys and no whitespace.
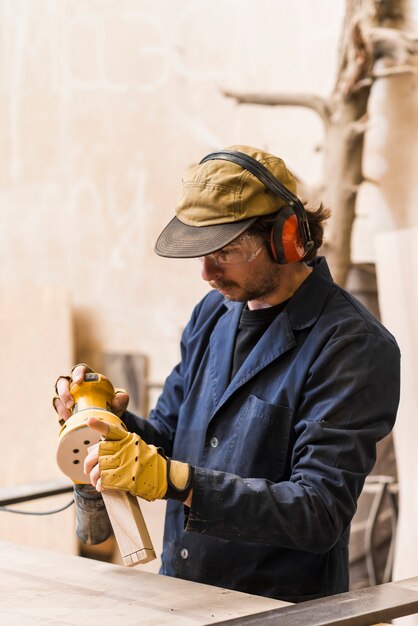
{"x":349,"y":402}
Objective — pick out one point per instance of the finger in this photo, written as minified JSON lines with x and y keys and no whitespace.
{"x":99,"y":485}
{"x":78,"y":371}
{"x":91,"y":459}
{"x":120,"y":401}
{"x":62,"y":411}
{"x":95,"y":476}
{"x":63,"y":391}
{"x":99,"y":425}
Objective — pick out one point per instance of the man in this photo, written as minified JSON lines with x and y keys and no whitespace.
{"x":270,"y":421}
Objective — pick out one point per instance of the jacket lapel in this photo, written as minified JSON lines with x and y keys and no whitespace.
{"x":276,"y":341}
{"x":222,"y":344}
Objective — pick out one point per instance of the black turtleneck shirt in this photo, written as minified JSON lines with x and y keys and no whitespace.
{"x":252,"y":325}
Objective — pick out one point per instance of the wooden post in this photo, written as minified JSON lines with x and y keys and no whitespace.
{"x":129,"y":526}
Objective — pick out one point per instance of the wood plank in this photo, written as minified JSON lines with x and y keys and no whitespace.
{"x":363,"y":607}
{"x":42,"y":587}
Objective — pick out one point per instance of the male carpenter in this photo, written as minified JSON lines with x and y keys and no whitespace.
{"x":269,"y":423}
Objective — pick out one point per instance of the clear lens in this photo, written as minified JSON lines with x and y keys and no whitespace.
{"x":242,"y":250}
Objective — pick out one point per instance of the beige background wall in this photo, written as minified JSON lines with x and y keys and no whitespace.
{"x":398,"y":291}
{"x":104,"y":103}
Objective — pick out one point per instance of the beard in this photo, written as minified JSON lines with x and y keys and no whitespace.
{"x":253,"y":287}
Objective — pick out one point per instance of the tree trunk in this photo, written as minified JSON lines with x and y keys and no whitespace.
{"x":369,"y":27}
{"x":372,"y":45}
{"x":343,"y":176}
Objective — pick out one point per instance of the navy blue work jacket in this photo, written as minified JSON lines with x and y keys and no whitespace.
{"x":282,"y":450}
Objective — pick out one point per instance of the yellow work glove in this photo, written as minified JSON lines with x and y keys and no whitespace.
{"x":126,"y":462}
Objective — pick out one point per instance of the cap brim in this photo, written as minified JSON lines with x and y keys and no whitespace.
{"x":181,"y":241}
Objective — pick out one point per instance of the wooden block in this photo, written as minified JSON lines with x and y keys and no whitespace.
{"x":129,"y":527}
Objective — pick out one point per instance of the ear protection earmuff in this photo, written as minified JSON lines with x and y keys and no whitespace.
{"x":290,"y":238}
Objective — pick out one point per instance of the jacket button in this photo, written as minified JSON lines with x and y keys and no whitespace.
{"x":184,"y":553}
{"x":214,"y":442}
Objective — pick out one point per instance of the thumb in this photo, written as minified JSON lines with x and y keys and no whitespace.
{"x":111,"y":432}
{"x":99,"y":425}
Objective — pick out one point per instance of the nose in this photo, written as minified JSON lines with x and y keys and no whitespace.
{"x":209,"y":270}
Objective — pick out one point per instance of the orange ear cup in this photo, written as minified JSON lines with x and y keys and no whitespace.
{"x":285,"y":239}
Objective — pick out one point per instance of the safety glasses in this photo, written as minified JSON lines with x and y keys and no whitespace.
{"x":242,"y":250}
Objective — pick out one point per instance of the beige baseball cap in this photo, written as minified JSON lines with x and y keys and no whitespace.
{"x":220,"y":201}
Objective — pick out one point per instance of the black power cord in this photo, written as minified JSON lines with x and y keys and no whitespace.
{"x":8,"y":510}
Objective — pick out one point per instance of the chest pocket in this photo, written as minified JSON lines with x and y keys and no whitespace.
{"x":260,"y":443}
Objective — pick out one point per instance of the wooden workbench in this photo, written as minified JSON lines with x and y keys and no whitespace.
{"x":41,"y":587}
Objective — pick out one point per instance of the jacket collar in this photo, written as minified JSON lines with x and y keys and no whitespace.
{"x":302,"y":312}
{"x":307,"y":302}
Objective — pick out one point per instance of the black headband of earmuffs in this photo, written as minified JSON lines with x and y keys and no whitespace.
{"x":273,"y":184}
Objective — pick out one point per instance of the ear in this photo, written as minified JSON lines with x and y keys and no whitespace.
{"x":285,"y":239}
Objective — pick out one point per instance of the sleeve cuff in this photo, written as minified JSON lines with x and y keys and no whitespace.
{"x":205,"y":506}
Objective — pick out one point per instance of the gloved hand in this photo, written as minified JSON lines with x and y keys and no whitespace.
{"x":126,"y":462}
